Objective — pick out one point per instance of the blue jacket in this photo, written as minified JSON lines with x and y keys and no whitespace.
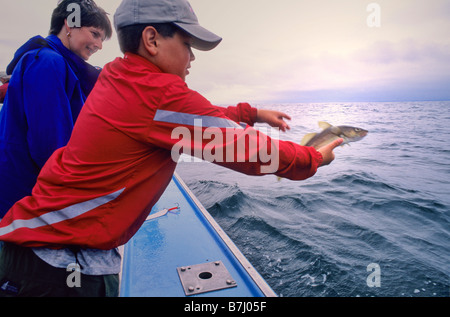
{"x":47,"y":90}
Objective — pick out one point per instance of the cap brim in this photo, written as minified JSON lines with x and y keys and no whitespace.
{"x":203,"y":39}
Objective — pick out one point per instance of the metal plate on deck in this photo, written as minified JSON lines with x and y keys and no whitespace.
{"x":206,"y":277}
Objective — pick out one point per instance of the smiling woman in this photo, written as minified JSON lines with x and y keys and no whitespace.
{"x":82,"y":27}
{"x":84,"y":41}
{"x":49,"y":84}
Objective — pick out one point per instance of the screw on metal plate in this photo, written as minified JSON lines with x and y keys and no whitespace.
{"x":206,"y":277}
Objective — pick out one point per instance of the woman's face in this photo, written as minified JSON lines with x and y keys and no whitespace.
{"x":86,"y":41}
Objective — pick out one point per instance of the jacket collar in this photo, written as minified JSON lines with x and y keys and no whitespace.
{"x":137,"y":59}
{"x":86,"y":73}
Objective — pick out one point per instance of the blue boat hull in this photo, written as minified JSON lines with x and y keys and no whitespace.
{"x":154,"y":257}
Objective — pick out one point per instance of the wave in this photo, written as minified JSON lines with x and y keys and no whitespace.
{"x":358,"y":219}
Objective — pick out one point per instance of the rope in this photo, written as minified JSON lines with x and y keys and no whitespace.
{"x":174,"y":210}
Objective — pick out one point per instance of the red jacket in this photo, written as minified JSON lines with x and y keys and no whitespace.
{"x":3,"y":89}
{"x":98,"y":190}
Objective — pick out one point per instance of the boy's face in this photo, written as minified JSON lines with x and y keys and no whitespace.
{"x":175,"y":54}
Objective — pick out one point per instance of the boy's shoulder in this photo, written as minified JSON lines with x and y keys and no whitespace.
{"x":137,"y":70}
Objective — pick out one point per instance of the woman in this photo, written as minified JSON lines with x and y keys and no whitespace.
{"x":49,"y":85}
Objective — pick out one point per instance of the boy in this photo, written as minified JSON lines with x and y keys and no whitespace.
{"x":94,"y":194}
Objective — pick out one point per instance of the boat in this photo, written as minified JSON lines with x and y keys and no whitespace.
{"x":181,"y":251}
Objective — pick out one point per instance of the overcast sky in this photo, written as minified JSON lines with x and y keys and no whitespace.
{"x":293,"y":50}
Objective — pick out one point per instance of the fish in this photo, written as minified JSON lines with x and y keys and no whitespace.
{"x":331,"y":133}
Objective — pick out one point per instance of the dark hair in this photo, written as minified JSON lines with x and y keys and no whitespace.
{"x":130,"y":36}
{"x":90,"y":15}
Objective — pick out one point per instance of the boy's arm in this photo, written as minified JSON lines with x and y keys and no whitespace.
{"x":191,"y":125}
{"x":243,"y":112}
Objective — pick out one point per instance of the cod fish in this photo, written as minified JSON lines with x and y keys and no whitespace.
{"x":331,"y":133}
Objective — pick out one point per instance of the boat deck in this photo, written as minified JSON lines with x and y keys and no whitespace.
{"x":183,"y":253}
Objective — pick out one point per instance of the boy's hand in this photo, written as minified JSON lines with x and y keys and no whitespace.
{"x":273,"y":118}
{"x":327,"y":151}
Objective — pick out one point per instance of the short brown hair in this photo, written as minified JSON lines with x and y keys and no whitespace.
{"x":91,"y":15}
{"x":130,"y":36}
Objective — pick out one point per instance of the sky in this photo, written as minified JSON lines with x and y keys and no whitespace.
{"x":293,"y":51}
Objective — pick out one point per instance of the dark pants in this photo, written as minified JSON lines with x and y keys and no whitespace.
{"x":24,"y":274}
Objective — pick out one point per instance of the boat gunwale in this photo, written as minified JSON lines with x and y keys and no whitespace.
{"x":240,"y":257}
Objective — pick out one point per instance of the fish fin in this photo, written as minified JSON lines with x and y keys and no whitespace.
{"x":346,"y":142}
{"x":307,"y":138}
{"x":324,"y":125}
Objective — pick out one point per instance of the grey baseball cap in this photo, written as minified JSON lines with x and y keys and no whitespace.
{"x":179,"y":12}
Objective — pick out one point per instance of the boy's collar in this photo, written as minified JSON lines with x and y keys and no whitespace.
{"x":135,"y":57}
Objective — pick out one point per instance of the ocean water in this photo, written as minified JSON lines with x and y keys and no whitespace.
{"x":376,"y":222}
